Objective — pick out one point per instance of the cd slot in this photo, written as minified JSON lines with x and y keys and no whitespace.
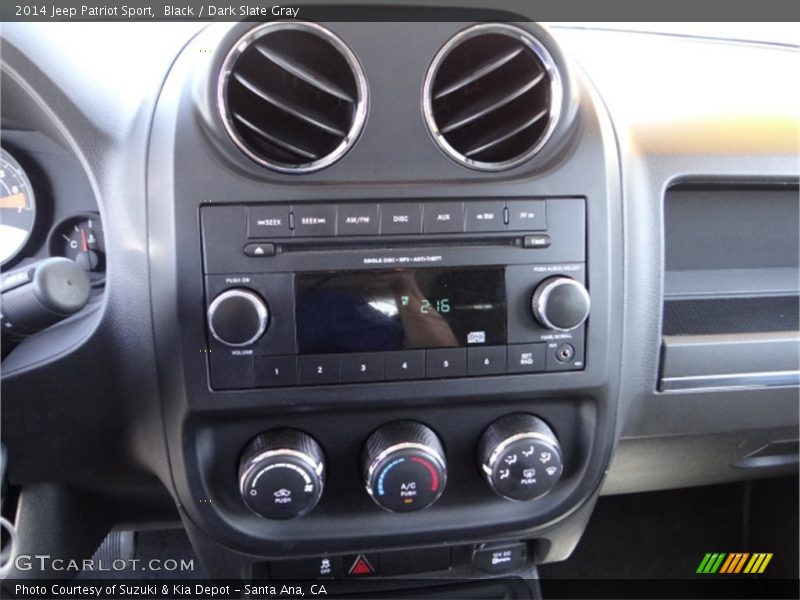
{"x":379,"y":243}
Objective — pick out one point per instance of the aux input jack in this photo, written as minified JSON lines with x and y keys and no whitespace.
{"x":565,"y":353}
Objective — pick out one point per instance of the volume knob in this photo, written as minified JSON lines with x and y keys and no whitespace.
{"x":560,"y":304}
{"x":238,"y":317}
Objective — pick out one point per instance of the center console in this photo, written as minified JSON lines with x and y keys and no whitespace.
{"x":403,"y":357}
{"x":422,"y":290}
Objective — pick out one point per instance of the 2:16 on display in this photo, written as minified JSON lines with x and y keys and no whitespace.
{"x":440,"y":305}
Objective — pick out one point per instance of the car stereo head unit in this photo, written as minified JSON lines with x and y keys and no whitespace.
{"x":486,"y":288}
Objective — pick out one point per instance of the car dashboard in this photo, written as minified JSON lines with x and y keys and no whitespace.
{"x":393,"y":297}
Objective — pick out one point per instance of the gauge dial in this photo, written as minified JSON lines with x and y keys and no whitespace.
{"x":80,"y":238}
{"x":17,"y":207}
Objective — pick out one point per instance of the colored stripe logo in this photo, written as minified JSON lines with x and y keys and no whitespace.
{"x":734,"y":563}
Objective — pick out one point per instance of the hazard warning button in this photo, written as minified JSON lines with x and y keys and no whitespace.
{"x":362,"y":565}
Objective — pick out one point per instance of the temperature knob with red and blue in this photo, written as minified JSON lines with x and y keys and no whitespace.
{"x":404,"y":466}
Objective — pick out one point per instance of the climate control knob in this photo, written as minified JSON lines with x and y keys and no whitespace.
{"x":520,"y":457}
{"x":560,"y":303}
{"x":238,"y":317}
{"x":404,"y":466}
{"x":281,"y":474}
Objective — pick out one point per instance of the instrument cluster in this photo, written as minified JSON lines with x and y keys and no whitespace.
{"x":46,"y":207}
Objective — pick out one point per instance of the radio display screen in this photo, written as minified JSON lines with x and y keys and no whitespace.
{"x":374,"y":311}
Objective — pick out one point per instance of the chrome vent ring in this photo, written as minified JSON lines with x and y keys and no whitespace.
{"x":292,"y":96}
{"x":492,"y":97}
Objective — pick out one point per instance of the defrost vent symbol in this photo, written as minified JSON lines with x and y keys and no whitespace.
{"x":292,"y":96}
{"x":492,"y":97}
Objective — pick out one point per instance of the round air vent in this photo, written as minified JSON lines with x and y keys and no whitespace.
{"x":293,"y":96}
{"x":492,"y":97}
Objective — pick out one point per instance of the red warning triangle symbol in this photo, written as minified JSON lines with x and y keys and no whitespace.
{"x":361,"y":566}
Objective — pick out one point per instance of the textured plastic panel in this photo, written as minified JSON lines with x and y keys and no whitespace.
{"x":731,"y":315}
{"x":731,"y":228}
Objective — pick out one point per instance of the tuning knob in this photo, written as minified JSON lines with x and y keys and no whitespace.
{"x":404,"y":466}
{"x":520,"y":457}
{"x":281,"y":474}
{"x":238,"y":317}
{"x":560,"y":303}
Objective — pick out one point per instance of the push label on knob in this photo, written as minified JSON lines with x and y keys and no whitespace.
{"x":282,"y":474}
{"x":408,"y":483}
{"x":526,"y":470}
{"x":404,"y":468}
{"x":520,"y":457}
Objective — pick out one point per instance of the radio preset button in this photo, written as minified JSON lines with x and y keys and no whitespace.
{"x":319,"y":369}
{"x":446,"y":362}
{"x":485,"y":216}
{"x":276,"y":371}
{"x":315,"y":220}
{"x":362,"y":367}
{"x":526,"y":358}
{"x":443,"y":217}
{"x":268,"y":222}
{"x":526,"y":215}
{"x":401,"y":219}
{"x":404,"y":364}
{"x":488,"y":360}
{"x":358,"y":219}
